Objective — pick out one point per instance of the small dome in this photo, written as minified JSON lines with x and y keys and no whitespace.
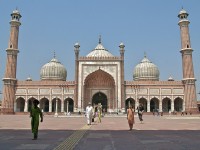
{"x":16,"y":11}
{"x":53,"y":70}
{"x":170,"y":79}
{"x":183,"y":12}
{"x":29,"y":79}
{"x":146,"y":70}
{"x":77,"y":45}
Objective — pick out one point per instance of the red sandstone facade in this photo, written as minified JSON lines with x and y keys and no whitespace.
{"x":99,"y":79}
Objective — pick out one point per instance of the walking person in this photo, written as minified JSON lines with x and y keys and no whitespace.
{"x":140,"y":110}
{"x":89,"y":113}
{"x":130,"y":117}
{"x":35,"y":113}
{"x":99,"y":112}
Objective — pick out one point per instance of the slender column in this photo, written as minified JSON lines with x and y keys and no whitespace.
{"x":148,"y":106}
{"x":50,"y":106}
{"x":62,"y":106}
{"x":26,"y":106}
{"x":67,"y":106}
{"x":160,"y":106}
{"x":56,"y":113}
{"x":172,"y":106}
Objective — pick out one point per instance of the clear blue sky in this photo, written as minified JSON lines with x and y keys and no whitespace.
{"x":142,"y":25}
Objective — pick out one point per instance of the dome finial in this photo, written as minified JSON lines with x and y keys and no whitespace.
{"x":99,"y":39}
{"x":54,"y":54}
{"x":145,"y":55}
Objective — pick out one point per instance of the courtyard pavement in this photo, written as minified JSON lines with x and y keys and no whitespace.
{"x":71,"y":132}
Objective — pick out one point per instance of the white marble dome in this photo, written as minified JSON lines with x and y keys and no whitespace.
{"x":146,"y":70}
{"x":99,"y":51}
{"x":53,"y":70}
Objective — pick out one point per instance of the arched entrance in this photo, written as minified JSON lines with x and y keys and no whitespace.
{"x":166,"y":105}
{"x":69,"y":105}
{"x":30,"y":103}
{"x":56,"y":101}
{"x":20,"y":103}
{"x":100,"y":98}
{"x":99,"y":87}
{"x":143,"y":101}
{"x":44,"y":104}
{"x":178,"y":104}
{"x":154,"y":105}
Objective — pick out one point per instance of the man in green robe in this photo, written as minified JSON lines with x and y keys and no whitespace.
{"x":35,"y":113}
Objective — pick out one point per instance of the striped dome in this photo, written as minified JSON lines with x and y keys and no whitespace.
{"x":53,"y":70}
{"x":99,"y":51}
{"x":146,"y":70}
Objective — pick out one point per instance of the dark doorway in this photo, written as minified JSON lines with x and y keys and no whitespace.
{"x":100,"y":98}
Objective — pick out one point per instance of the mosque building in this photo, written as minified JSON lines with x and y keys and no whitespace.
{"x":99,"y":78}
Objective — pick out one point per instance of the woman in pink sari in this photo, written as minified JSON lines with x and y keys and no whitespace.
{"x":130,"y":117}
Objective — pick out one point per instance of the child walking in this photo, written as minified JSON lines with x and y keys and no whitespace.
{"x":35,"y":113}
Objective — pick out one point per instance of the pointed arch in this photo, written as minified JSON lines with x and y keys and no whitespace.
{"x":68,"y":105}
{"x":178,"y":104}
{"x":44,"y":104}
{"x":100,"y":81}
{"x":166,"y":104}
{"x":143,"y":101}
{"x":154,"y":104}
{"x":101,"y":75}
{"x":54,"y":105}
{"x":30,"y":103}
{"x":20,"y":104}
{"x":101,"y":98}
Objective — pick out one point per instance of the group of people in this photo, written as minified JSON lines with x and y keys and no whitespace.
{"x":90,"y":114}
{"x":37,"y":116}
{"x":130,"y":114}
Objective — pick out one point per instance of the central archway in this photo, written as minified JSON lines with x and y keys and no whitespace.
{"x":99,"y":87}
{"x":100,"y":98}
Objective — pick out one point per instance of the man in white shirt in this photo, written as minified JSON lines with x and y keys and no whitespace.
{"x":89,"y":113}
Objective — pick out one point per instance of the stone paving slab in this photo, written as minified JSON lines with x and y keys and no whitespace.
{"x":156,"y":133}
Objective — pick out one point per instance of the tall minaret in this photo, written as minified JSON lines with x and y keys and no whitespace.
{"x":76,"y":50}
{"x":187,"y":64}
{"x":11,"y":65}
{"x":121,"y":46}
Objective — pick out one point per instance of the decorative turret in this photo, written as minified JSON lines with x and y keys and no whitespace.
{"x":76,"y":49}
{"x":121,"y":46}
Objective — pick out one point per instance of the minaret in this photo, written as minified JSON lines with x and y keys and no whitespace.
{"x":187,"y":63}
{"x":11,"y":65}
{"x":121,"y":46}
{"x":76,"y":50}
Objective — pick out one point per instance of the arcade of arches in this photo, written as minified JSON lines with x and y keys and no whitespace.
{"x":46,"y":105}
{"x":155,"y":104}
